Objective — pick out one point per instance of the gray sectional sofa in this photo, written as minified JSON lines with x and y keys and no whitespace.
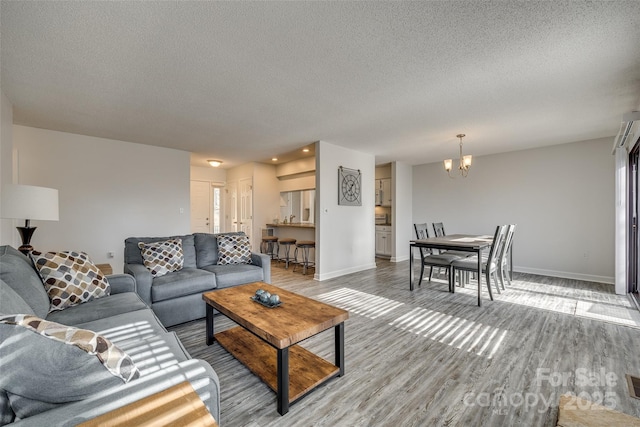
{"x":46,"y":378}
{"x":177,"y":296}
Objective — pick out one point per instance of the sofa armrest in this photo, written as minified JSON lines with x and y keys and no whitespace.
{"x":121,"y":283}
{"x":264,"y":261}
{"x":143,"y":280}
{"x":198,"y":372}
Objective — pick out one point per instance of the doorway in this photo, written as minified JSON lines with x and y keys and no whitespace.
{"x":206,"y":207}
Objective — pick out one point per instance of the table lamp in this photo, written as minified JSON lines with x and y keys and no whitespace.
{"x":28,"y":202}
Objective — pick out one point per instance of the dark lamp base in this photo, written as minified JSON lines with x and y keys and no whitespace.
{"x":25,"y":234}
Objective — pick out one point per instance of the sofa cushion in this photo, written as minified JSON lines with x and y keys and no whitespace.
{"x":234,"y":249}
{"x":11,"y":302}
{"x":238,"y":274}
{"x":139,"y":324}
{"x":184,"y":282}
{"x":162,"y":257}
{"x":17,"y":271}
{"x":207,"y":247}
{"x":6,"y":412}
{"x":156,"y":352}
{"x":70,"y":278}
{"x":98,"y":309}
{"x":49,"y":362}
{"x":132,"y":253}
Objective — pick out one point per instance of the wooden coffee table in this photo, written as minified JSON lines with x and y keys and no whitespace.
{"x":265,"y":340}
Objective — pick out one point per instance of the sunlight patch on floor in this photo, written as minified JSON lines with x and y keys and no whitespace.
{"x":361,"y":303}
{"x":617,"y":309}
{"x":609,"y":313}
{"x":467,"y":335}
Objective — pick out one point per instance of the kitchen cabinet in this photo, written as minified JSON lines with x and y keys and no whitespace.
{"x":383,"y":240}
{"x":383,"y":192}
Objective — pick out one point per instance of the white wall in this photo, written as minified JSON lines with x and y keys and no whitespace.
{"x":297,"y":175}
{"x":266,"y":199}
{"x":402,"y":202}
{"x":561,"y":197}
{"x":6,"y":163}
{"x":345,"y":235}
{"x":108,"y":190}
{"x":214,"y":175}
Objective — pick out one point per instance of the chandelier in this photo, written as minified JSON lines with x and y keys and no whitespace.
{"x":465,"y":161}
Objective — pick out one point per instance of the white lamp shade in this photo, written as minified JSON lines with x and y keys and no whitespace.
{"x":29,"y":202}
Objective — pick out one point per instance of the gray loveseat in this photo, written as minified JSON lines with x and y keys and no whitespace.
{"x":46,"y":367}
{"x":177,"y":296}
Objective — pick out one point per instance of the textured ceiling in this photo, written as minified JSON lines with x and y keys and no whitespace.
{"x":244,"y":81}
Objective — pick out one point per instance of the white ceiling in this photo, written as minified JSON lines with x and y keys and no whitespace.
{"x":244,"y":81}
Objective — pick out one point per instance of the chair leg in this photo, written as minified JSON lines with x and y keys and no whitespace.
{"x":488,"y":284}
{"x":430,"y":272}
{"x":495,"y":279}
{"x":507,"y":275}
{"x":452,"y":279}
{"x":502,"y":278}
{"x":421,"y":274}
{"x":295,"y":258}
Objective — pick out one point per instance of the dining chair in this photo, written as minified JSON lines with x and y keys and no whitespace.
{"x":489,"y":266}
{"x":505,"y":255}
{"x":431,"y":260}
{"x":438,"y":230}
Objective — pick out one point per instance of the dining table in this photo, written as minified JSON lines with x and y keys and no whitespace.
{"x":453,"y":242}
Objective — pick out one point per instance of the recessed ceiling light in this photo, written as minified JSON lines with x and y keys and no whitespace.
{"x":305,"y":150}
{"x":274,"y":159}
{"x":215,"y":163}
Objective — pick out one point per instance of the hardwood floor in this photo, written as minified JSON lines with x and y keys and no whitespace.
{"x":429,"y":357}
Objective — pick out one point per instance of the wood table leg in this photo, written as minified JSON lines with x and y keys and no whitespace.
{"x":283,"y":380}
{"x":209,"y":325}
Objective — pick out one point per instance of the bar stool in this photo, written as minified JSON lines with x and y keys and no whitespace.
{"x":269,"y":246}
{"x":305,"y":245}
{"x":286,"y":243}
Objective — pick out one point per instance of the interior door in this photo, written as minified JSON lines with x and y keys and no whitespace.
{"x":200,"y":207}
{"x":246,"y":207}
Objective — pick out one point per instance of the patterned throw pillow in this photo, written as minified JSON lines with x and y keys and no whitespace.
{"x":70,"y":278}
{"x":162,"y":257}
{"x":116,"y":361}
{"x":234,"y":249}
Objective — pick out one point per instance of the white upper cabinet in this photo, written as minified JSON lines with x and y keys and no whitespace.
{"x":383,"y":192}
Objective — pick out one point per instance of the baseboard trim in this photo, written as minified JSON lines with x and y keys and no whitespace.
{"x":399,"y":259}
{"x":566,"y":275}
{"x":338,"y":273}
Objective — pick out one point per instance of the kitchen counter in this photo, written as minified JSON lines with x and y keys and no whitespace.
{"x":292,"y":225}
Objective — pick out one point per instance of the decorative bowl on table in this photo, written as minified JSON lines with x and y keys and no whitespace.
{"x":265,"y":298}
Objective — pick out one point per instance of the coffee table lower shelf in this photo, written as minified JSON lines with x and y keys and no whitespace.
{"x":306,"y":370}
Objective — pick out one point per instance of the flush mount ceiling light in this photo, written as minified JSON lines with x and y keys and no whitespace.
{"x":305,"y":150}
{"x":215,"y":163}
{"x":465,"y":161}
{"x":274,"y":159}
